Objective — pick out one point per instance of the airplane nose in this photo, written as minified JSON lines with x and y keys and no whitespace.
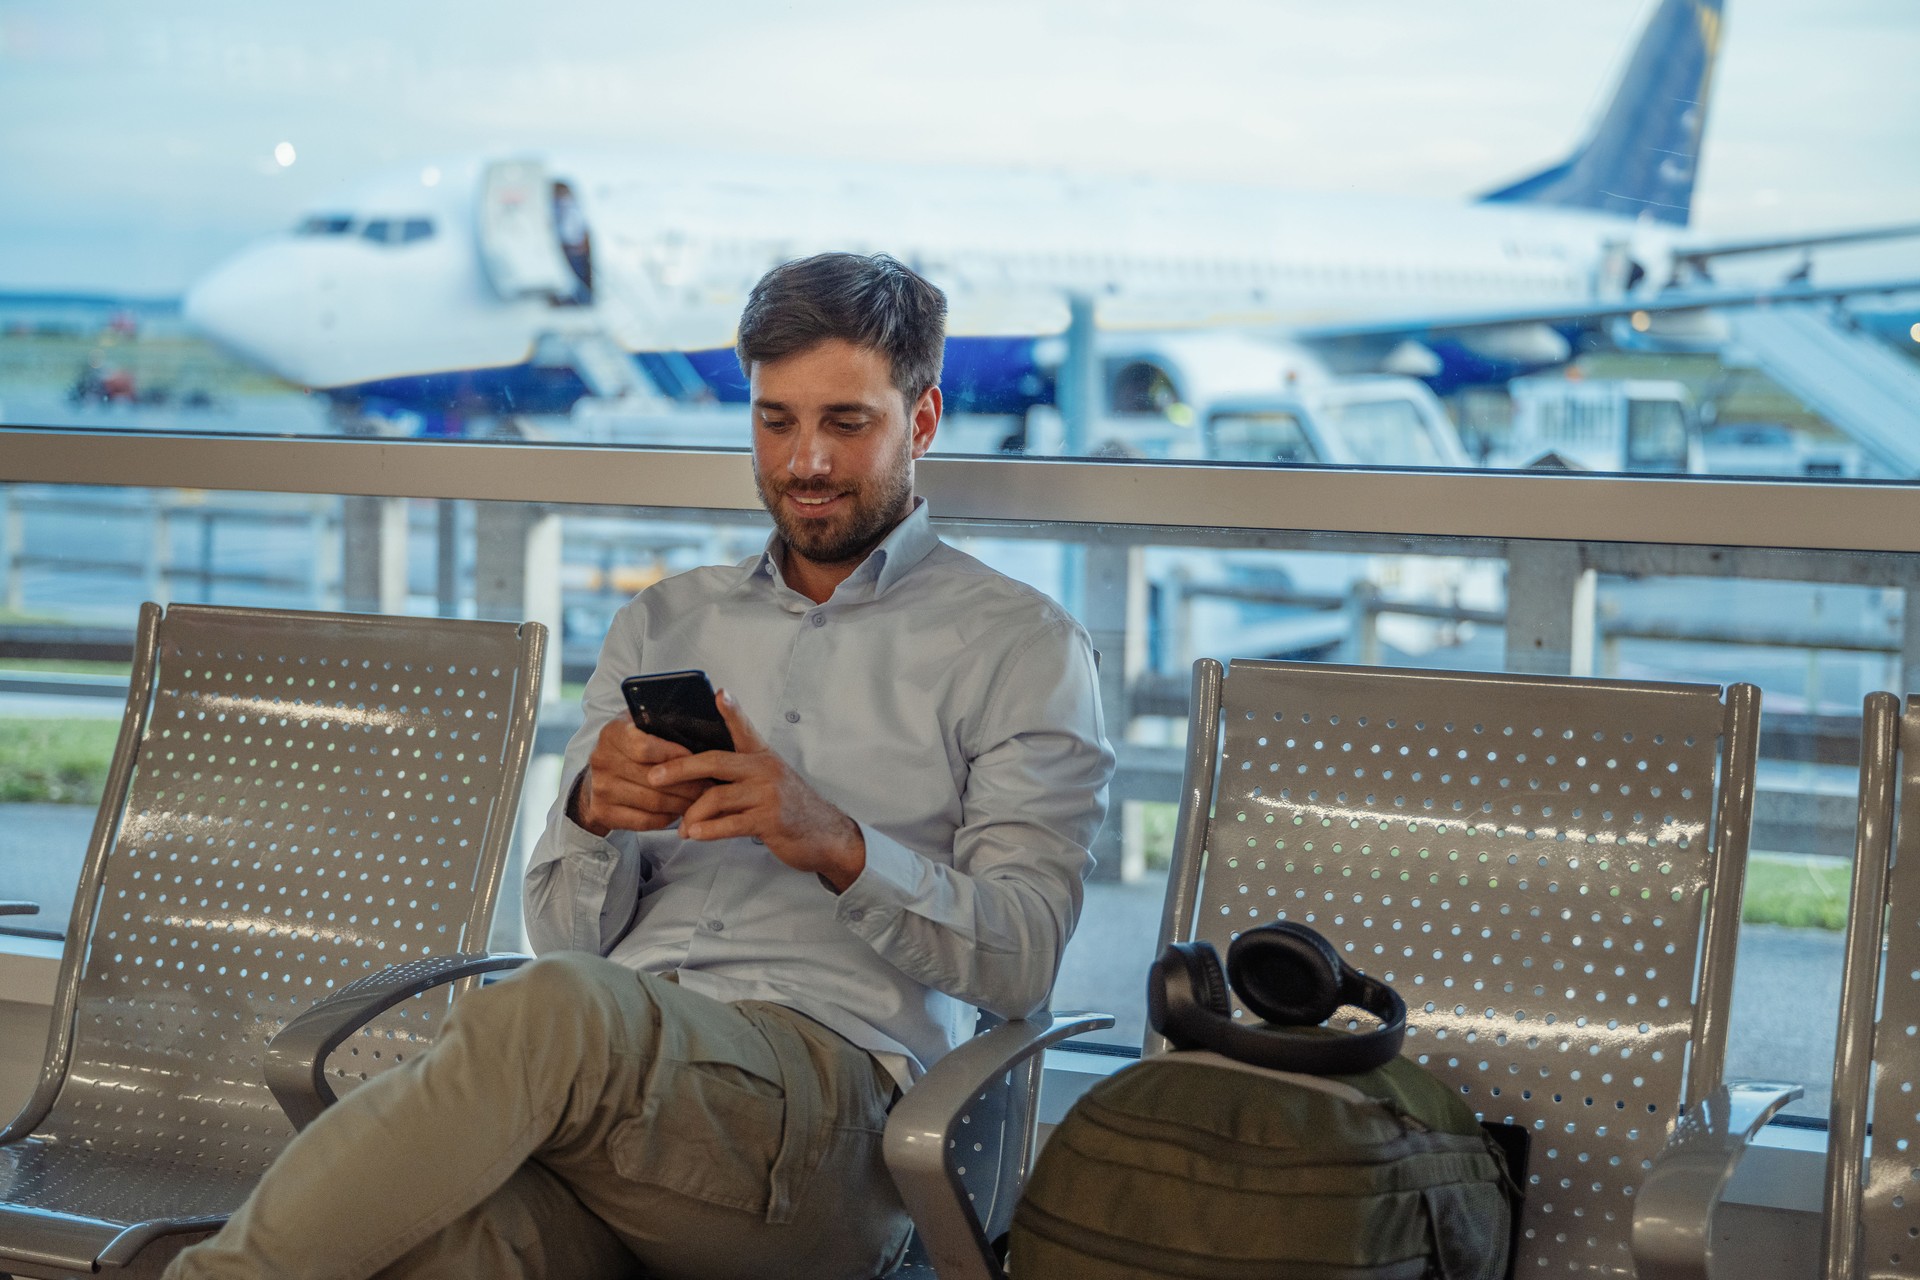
{"x":240,"y":305}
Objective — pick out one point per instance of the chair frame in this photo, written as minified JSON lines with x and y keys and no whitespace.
{"x":62,"y":1036}
{"x":1889,"y":778}
{"x":957,"y":1211}
{"x":1670,"y":1230}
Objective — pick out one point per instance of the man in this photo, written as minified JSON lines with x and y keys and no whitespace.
{"x":746,"y":954}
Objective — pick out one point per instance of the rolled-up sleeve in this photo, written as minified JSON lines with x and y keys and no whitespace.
{"x":989,"y":925}
{"x":581,"y":890}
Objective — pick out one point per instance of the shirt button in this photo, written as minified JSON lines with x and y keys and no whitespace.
{"x":793,"y":717}
{"x":817,"y":619}
{"x":758,"y":840}
{"x":856,"y":915}
{"x":715,"y":926}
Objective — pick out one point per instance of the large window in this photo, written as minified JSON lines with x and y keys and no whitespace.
{"x":256,"y":263}
{"x":1185,"y":568}
{"x":407,"y":223}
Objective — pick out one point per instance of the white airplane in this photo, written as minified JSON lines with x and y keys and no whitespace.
{"x":519,"y":286}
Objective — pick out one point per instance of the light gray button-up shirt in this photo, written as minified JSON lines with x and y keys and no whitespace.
{"x":952,"y":712}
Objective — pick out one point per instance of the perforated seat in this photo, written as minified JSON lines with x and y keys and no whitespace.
{"x":1533,"y":862}
{"x":1872,"y":1219}
{"x":297,"y":801}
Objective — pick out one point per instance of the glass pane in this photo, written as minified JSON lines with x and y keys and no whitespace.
{"x":1386,"y":433}
{"x":363,"y":221}
{"x":1260,"y":437}
{"x":1816,"y":631}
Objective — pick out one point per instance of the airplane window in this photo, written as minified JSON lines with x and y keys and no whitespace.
{"x":325,"y":224}
{"x":397,"y":230}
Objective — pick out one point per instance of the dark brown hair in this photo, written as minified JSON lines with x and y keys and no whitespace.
{"x":873,"y":302}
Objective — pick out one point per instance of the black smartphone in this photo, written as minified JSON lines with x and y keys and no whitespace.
{"x":678,"y":706}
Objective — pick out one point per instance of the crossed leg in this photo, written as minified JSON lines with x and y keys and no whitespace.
{"x":579,"y":1119}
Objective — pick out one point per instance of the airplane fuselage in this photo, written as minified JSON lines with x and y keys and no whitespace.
{"x":354,"y":307}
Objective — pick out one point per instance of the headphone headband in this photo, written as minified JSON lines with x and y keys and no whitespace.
{"x":1289,"y":975}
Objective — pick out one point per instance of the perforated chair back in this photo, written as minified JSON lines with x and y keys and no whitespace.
{"x":297,"y":800}
{"x":1534,"y":863}
{"x":1872,"y":1220}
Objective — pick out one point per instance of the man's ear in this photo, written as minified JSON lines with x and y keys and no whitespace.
{"x":925,"y":420}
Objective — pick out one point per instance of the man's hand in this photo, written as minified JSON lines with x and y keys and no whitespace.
{"x":614,"y":791}
{"x":754,"y":793}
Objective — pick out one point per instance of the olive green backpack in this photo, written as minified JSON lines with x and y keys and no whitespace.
{"x":1194,"y":1165}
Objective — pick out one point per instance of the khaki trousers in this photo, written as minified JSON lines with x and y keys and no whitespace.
{"x":579,"y":1119}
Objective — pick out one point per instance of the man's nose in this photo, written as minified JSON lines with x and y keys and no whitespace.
{"x":812,"y":453}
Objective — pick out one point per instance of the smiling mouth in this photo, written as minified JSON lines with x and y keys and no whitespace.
{"x":814,"y":501}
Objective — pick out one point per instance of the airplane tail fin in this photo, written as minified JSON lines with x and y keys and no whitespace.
{"x":1642,"y":156}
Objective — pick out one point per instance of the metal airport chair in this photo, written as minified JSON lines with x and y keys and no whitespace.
{"x":297,"y":800}
{"x":1534,"y":862}
{"x":1872,"y":1220}
{"x":959,"y":1143}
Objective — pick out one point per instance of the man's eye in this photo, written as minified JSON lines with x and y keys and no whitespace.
{"x":775,"y":424}
{"x":850,"y":425}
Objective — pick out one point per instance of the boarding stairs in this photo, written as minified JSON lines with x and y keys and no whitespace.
{"x":1817,"y":352}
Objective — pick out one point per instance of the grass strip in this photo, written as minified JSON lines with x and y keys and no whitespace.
{"x":1796,"y":890}
{"x":55,"y":761}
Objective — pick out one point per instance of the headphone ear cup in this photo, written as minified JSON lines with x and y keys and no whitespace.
{"x":1287,"y":974}
{"x":1187,"y":994}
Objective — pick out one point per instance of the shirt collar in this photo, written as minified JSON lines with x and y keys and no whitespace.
{"x":907,"y":545}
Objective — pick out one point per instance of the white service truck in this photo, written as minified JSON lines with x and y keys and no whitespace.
{"x":1601,"y":424}
{"x":1230,"y":398}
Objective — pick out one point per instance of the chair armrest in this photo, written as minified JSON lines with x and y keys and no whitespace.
{"x":297,"y":1054}
{"x":920,"y":1131}
{"x":1673,"y":1213}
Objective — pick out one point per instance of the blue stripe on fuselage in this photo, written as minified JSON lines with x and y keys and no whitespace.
{"x":982,"y":375}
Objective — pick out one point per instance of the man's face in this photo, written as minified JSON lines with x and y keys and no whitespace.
{"x":833,"y":448}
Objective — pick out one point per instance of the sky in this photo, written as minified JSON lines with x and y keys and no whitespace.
{"x":137,"y":141}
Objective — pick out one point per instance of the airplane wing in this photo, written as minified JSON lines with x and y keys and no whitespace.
{"x":1666,"y":302}
{"x":1698,"y":255}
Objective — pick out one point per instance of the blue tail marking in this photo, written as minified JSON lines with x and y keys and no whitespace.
{"x":1643,"y":155}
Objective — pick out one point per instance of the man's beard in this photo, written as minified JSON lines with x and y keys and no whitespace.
{"x":872,"y":510}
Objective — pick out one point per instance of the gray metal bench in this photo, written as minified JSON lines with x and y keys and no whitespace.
{"x":297,"y":801}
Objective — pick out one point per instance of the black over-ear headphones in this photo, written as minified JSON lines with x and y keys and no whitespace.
{"x":1290,"y":976}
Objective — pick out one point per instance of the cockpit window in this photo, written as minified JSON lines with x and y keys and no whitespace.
{"x":325,"y":224}
{"x":397,"y":230}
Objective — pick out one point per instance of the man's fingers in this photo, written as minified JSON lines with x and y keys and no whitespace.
{"x":620,"y":793}
{"x":715,"y":766}
{"x":647,"y":749}
{"x":630,"y":742}
{"x":725,"y":827}
{"x":720,"y":800}
{"x":618,"y":772}
{"x":746,"y":739}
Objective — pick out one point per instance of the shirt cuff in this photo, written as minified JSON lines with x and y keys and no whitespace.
{"x":894,"y":878}
{"x":595,"y":857}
